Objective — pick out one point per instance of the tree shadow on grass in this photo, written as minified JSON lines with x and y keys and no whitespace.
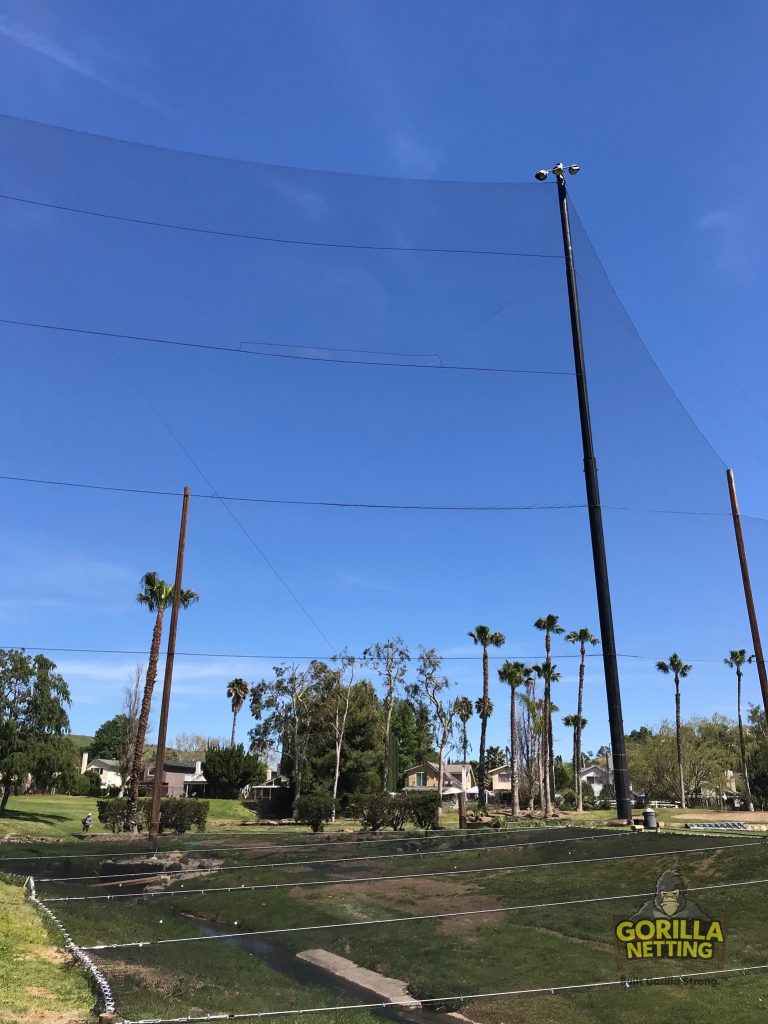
{"x":15,"y":815}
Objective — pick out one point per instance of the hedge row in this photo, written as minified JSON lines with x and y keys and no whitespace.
{"x":385,"y":810}
{"x":177,"y":814}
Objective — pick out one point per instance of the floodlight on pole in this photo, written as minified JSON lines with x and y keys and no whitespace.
{"x":608,"y":640}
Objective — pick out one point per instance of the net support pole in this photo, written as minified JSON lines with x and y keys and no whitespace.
{"x":751,"y":613}
{"x":157,"y":788}
{"x":608,"y":641}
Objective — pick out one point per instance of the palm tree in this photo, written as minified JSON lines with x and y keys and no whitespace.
{"x":514,"y":674}
{"x":736,"y":660}
{"x":482,"y":635}
{"x":549,"y":625}
{"x":582,"y":637}
{"x":677,"y":667}
{"x":463,"y":707}
{"x":548,"y":672}
{"x":237,"y":691}
{"x":156,"y":595}
{"x":577,"y":723}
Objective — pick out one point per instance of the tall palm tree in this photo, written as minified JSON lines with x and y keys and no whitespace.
{"x":237,"y":691}
{"x":582,"y":637}
{"x":463,"y":707}
{"x":577,"y":723}
{"x":550,"y":626}
{"x":548,"y":672}
{"x":483,"y":636}
{"x":535,"y":709}
{"x":156,"y":595}
{"x":736,"y":660}
{"x":677,"y":667}
{"x":514,"y":674}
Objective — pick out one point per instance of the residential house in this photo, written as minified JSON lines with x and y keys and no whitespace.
{"x":500,"y":779}
{"x":106,"y":768}
{"x":180,"y":778}
{"x":457,"y":778}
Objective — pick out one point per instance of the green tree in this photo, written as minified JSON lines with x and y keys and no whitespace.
{"x":155,"y":595}
{"x":549,"y":626}
{"x":33,"y":722}
{"x":433,"y":686}
{"x":515,"y":674}
{"x":483,"y":636}
{"x":582,"y":637}
{"x":463,"y":709}
{"x":237,"y":691}
{"x":736,"y":660}
{"x":284,"y":708}
{"x":549,"y":674}
{"x":390,"y":663}
{"x":679,"y":670}
{"x":578,"y":724}
{"x":412,"y":735}
{"x":228,"y":770}
{"x":494,"y":758}
{"x":109,"y":737}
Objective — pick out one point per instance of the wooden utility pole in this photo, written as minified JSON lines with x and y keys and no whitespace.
{"x":157,"y":788}
{"x":759,"y":659}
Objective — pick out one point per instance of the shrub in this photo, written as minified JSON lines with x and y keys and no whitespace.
{"x":423,"y":809}
{"x":314,"y":810}
{"x":177,"y":814}
{"x":373,"y":810}
{"x":181,"y":814}
{"x":398,"y":811}
{"x":567,"y":799}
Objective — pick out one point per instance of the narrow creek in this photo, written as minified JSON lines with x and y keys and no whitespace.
{"x":286,"y":962}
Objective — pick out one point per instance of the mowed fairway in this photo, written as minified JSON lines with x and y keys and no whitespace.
{"x":303,"y":884}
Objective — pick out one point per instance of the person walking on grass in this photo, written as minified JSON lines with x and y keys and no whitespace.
{"x":87,"y":822}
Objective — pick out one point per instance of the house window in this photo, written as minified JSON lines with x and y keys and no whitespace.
{"x":421,"y":779}
{"x":503,"y":776}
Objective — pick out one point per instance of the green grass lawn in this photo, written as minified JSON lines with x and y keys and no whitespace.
{"x":60,"y":817}
{"x":34,"y":976}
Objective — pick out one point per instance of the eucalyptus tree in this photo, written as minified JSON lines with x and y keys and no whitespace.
{"x":155,"y":595}
{"x":430,"y":684}
{"x":679,"y":670}
{"x":283,"y":709}
{"x":485,"y":638}
{"x":582,"y":637}
{"x":736,"y":660}
{"x":515,"y":674}
{"x":237,"y":691}
{"x":337,"y":705}
{"x":390,"y":662}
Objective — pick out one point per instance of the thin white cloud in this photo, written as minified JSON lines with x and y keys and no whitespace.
{"x":43,"y":46}
{"x":354,"y":580}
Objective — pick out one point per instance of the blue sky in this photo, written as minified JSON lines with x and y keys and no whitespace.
{"x":663,"y":109}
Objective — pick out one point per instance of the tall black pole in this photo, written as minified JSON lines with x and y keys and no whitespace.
{"x":751,"y":613}
{"x":157,"y":787}
{"x":608,"y":641}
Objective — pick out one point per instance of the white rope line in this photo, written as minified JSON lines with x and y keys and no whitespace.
{"x":138,"y":875}
{"x":420,"y":917}
{"x":329,"y":840}
{"x":409,"y":1003}
{"x":76,"y":951}
{"x":399,"y":878}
